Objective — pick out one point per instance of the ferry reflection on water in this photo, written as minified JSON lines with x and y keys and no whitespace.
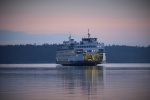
{"x":82,"y":80}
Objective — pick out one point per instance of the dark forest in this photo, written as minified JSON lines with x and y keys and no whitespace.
{"x":13,"y":54}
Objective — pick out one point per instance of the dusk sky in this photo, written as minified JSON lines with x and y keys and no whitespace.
{"x":121,"y":22}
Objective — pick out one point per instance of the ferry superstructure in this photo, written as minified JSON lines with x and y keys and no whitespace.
{"x":86,"y":52}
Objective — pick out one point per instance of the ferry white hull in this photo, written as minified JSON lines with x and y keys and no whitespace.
{"x":83,"y":60}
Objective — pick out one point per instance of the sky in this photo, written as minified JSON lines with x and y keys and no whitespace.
{"x":120,"y":22}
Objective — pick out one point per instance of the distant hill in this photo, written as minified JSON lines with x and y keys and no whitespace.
{"x":46,"y":53}
{"x":28,"y":54}
{"x":127,"y":54}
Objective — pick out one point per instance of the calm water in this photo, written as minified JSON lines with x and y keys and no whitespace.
{"x":55,"y":82}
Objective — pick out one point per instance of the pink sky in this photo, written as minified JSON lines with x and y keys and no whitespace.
{"x":113,"y":22}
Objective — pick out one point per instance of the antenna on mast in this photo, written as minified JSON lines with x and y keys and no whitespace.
{"x":88,"y":34}
{"x":70,"y":36}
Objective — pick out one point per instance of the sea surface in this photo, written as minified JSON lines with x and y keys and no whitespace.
{"x":56,"y":82}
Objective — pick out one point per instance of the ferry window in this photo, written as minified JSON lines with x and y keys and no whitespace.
{"x":79,"y":51}
{"x":89,"y":50}
{"x":101,"y":50}
{"x":85,"y":51}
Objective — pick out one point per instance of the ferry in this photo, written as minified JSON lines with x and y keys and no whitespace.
{"x":87,"y":52}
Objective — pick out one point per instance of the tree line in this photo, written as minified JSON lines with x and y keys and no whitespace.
{"x":46,"y":53}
